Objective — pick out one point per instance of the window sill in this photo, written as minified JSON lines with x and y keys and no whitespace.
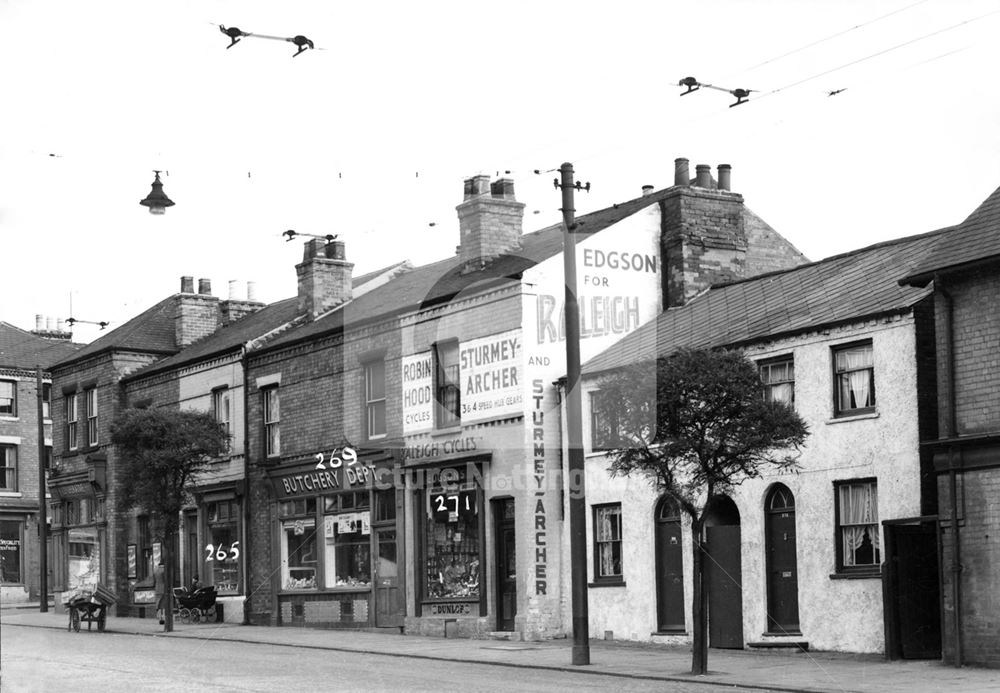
{"x":860,"y":575}
{"x":853,"y":417}
{"x":11,"y":494}
{"x":8,"y":417}
{"x":607,"y":583}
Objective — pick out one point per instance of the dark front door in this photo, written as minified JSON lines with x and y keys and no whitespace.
{"x":192,"y":555}
{"x":918,"y":599}
{"x":388,"y":597}
{"x":782,"y":572}
{"x":506,"y":562}
{"x":669,"y":568}
{"x":724,"y":581}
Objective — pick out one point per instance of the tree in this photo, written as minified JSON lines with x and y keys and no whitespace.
{"x":699,"y":427}
{"x":161,"y":450}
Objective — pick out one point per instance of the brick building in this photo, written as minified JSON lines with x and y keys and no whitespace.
{"x":432,"y":395}
{"x":824,"y":557}
{"x":964,"y":273}
{"x":25,"y":358}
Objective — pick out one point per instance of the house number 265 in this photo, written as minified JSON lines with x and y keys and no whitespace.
{"x":219,"y":553}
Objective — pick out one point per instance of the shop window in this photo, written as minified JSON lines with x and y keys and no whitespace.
{"x":857,"y":526}
{"x":71,"y":421}
{"x":220,"y":409}
{"x":452,"y":541}
{"x":272,"y":420}
{"x":854,"y":379}
{"x":222,"y":557}
{"x":11,"y":542}
{"x":85,"y":555}
{"x":385,"y":505}
{"x":347,"y":536}
{"x":8,"y":468}
{"x":90,"y":396}
{"x":8,"y":398}
{"x":448,"y":394}
{"x":606,"y":430}
{"x":375,"y":399}
{"x":46,"y":400}
{"x":608,"y":543}
{"x":778,"y":377}
{"x":145,"y":548}
{"x":299,"y":557}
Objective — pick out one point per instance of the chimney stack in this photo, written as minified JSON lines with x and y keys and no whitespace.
{"x":703,"y":176}
{"x":324,"y":277}
{"x":724,"y":176}
{"x":681,"y":173}
{"x":489,"y":221}
{"x":196,"y":315}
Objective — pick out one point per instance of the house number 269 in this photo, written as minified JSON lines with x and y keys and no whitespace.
{"x":219,"y":553}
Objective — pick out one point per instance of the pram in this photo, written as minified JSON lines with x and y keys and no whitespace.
{"x":196,"y":606}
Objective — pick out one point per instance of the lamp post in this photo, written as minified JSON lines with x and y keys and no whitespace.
{"x":574,"y":425}
{"x":157,"y":200}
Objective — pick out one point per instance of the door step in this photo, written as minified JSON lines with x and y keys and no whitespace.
{"x":511,"y":635}
{"x":780,"y":646}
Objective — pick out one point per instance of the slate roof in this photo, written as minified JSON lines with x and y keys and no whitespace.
{"x":22,"y":349}
{"x":437,"y":282}
{"x":151,"y":331}
{"x":975,"y":239}
{"x":840,"y":289}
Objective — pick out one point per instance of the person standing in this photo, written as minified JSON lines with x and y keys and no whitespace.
{"x":160,"y":589}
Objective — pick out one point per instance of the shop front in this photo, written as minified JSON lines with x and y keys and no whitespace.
{"x":336,"y":542}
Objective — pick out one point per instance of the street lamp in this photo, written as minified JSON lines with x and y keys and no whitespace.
{"x":157,"y":200}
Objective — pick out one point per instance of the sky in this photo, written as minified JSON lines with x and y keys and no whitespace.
{"x":370,"y":135}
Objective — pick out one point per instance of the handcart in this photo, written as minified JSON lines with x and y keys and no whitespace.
{"x":89,"y":605}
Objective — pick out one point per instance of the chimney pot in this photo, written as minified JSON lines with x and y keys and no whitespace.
{"x":703,"y":176}
{"x":476,"y":186}
{"x":681,"y":174}
{"x":251,"y":291}
{"x":205,"y":287}
{"x":59,"y":325}
{"x":503,"y":188}
{"x":187,"y":285}
{"x":232,"y":289}
{"x":647,"y":190}
{"x":39,"y":322}
{"x":724,"y":176}
{"x":50,"y":323}
{"x":336,"y":250}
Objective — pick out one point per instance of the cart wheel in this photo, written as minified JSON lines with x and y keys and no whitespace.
{"x":74,"y":618}
{"x":185,"y":615}
{"x":101,"y":621}
{"x":195,"y":615}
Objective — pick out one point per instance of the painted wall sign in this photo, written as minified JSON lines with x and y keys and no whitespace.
{"x":439,"y":448}
{"x":450,"y":609}
{"x":144,"y":597}
{"x":317,"y":481}
{"x":490,"y":373}
{"x":132,"y":561}
{"x":538,"y":469}
{"x":418,"y":393}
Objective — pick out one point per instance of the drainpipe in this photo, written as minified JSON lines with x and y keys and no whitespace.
{"x":951,"y":422}
{"x":246,"y":486}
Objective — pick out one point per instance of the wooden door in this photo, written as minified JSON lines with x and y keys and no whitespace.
{"x":782,"y":569}
{"x":725,"y":587}
{"x":918,"y":599}
{"x":388,"y":596}
{"x":506,"y":564}
{"x":669,"y":569}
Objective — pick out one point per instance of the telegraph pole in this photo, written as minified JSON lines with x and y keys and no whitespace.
{"x":43,"y":530}
{"x":577,"y":495}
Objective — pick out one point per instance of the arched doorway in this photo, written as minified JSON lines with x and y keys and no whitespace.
{"x":724,"y":574}
{"x":782,"y":570}
{"x":669,"y":567}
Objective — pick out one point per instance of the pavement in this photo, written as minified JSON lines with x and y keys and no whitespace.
{"x":806,"y":672}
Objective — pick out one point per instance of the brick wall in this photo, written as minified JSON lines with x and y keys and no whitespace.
{"x":977,"y":351}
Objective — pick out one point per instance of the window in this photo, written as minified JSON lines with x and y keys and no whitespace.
{"x":223,"y":559}
{"x":299,"y":550}
{"x":71,"y":421}
{"x":8,"y":398}
{"x":446,"y":387}
{"x":608,"y":543}
{"x":347,"y":532}
{"x":145,"y":568}
{"x":85,"y":556}
{"x":605,"y":424}
{"x":272,"y":417}
{"x":778,"y":376}
{"x":451,"y":539}
{"x":8,"y":467}
{"x":854,"y":371}
{"x":857,"y":526}
{"x":375,"y":398}
{"x":46,"y":400}
{"x":11,"y":541}
{"x":220,"y":408}
{"x":90,"y":396}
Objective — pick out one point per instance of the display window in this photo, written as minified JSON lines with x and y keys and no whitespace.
{"x":85,"y":555}
{"x":223,"y":551}
{"x":452,"y":542}
{"x":347,"y":538}
{"x":11,"y":541}
{"x":298,"y":554}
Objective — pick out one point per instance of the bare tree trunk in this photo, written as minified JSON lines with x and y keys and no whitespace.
{"x":168,"y":578}
{"x":699,"y":603}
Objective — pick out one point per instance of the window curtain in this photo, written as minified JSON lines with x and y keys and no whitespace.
{"x":858,"y":517}
{"x":607,"y":539}
{"x":855,"y":383}
{"x":782,"y":392}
